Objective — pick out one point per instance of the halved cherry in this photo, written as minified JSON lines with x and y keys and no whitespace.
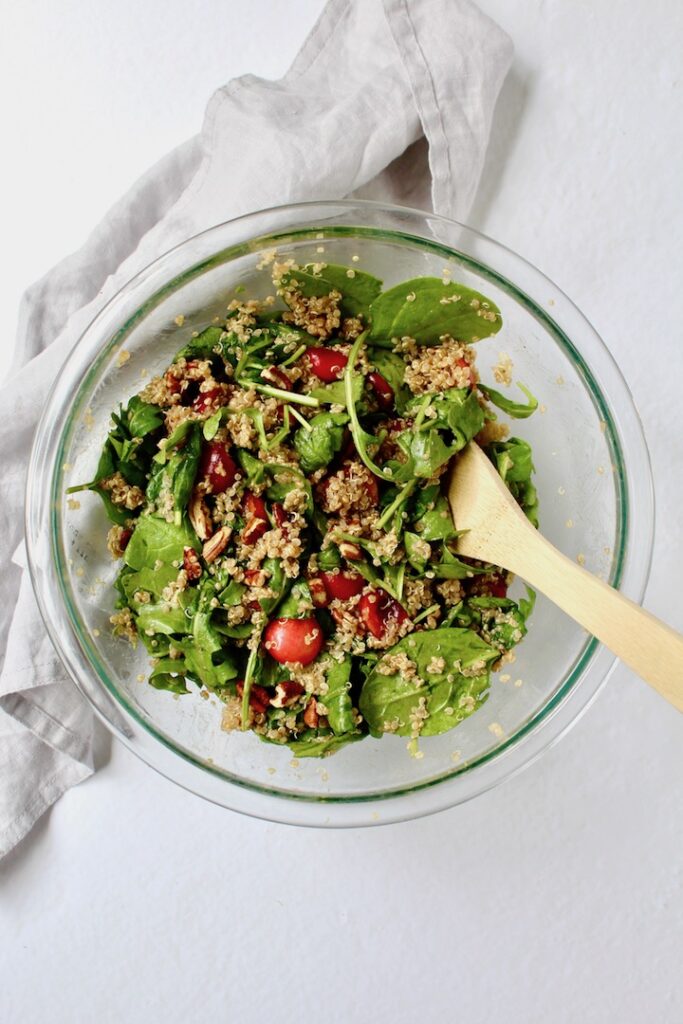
{"x":341,"y":586}
{"x":206,"y":400}
{"x":384,"y":393}
{"x":280,"y":516}
{"x":259,"y":697}
{"x":327,"y":363}
{"x":217,"y":466}
{"x":378,"y":610}
{"x":294,"y":640}
{"x":255,"y":518}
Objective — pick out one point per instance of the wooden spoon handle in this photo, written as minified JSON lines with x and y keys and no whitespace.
{"x":648,"y":646}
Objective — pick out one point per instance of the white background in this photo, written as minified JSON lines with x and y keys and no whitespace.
{"x":558,"y":897}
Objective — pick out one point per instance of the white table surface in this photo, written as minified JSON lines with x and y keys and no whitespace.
{"x":559,"y":896}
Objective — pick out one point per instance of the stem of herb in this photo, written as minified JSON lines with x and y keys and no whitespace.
{"x":399,"y":500}
{"x":357,"y":431}
{"x":426,"y":613}
{"x":285,"y":396}
{"x":294,"y":356}
{"x":248,"y":676}
{"x":297,"y":416}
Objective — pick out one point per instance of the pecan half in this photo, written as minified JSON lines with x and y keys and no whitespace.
{"x":217,"y":544}
{"x":198,"y":512}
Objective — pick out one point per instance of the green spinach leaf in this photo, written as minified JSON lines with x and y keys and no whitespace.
{"x":389,"y":702}
{"x":358,"y":289}
{"x":317,"y":446}
{"x":425,"y":308}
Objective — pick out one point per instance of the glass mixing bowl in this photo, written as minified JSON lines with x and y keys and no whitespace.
{"x":592,"y":474}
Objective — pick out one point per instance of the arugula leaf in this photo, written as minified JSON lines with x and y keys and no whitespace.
{"x":417,"y":309}
{"x":392,"y":368}
{"x":388,"y":701}
{"x":318,"y":446}
{"x":154,"y":539}
{"x":515,"y":409}
{"x":334,"y":394}
{"x":358,"y":289}
{"x":513,"y":460}
{"x":456,"y":410}
{"x":166,"y":676}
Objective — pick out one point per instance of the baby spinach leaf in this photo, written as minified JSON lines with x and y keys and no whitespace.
{"x":155,"y":540}
{"x":499,"y":620}
{"x":329,"y":558}
{"x":513,"y":460}
{"x":456,"y":410}
{"x":314,"y":744}
{"x":451,"y":568}
{"x":425,"y":308}
{"x":358,"y":289}
{"x":159,"y":618}
{"x":337,"y":699}
{"x":143,"y":418}
{"x":426,"y":452}
{"x":204,"y":345}
{"x":388,"y":701}
{"x":253,"y":468}
{"x":517,"y":410}
{"x":415,"y":550}
{"x":318,"y":446}
{"x":437,"y":524}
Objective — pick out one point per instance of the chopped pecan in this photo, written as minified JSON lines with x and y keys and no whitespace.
{"x":259,"y":697}
{"x":255,"y":577}
{"x":191,"y":564}
{"x":311,"y":716}
{"x":254,"y":529}
{"x":200,"y":518}
{"x":286,"y":693}
{"x":217,"y":544}
{"x":351,"y":552}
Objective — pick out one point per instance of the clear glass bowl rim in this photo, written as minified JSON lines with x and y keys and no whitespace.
{"x":574,"y":694}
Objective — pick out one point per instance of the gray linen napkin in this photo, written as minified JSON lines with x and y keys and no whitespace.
{"x":388,"y":99}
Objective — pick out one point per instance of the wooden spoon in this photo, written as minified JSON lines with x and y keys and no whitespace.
{"x":499,"y":532}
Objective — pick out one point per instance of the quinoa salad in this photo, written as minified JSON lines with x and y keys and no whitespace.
{"x":277,"y":500}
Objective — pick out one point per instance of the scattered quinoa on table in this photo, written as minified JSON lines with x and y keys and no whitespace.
{"x":276,"y":499}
